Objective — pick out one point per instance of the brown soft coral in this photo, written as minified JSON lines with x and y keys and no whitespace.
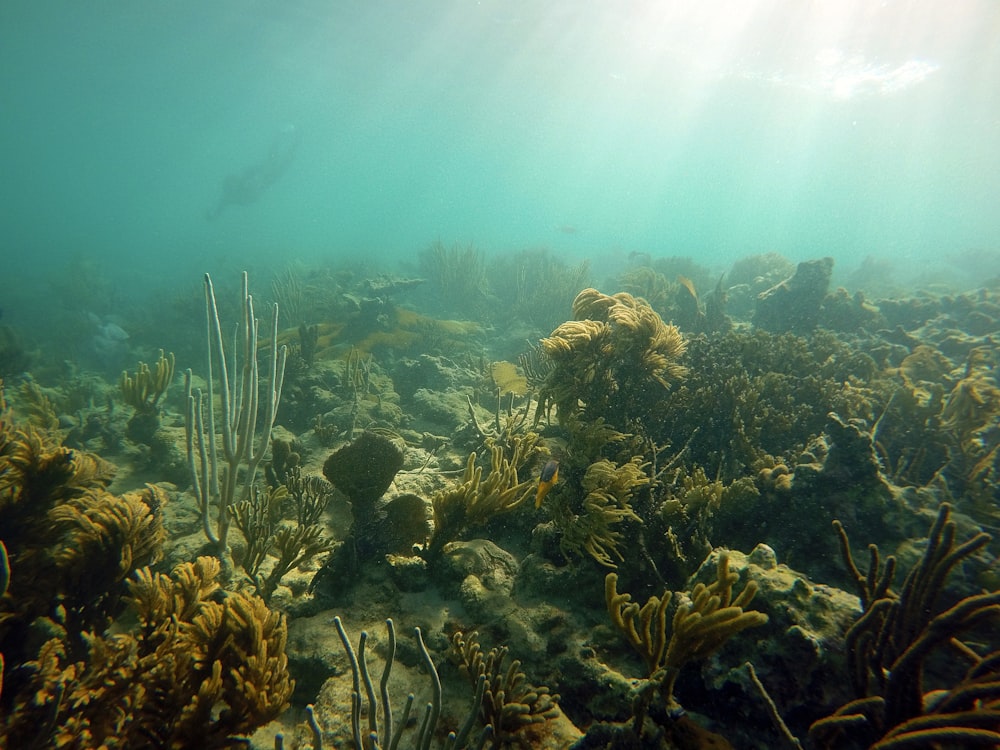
{"x":612,"y":359}
{"x":199,"y":673}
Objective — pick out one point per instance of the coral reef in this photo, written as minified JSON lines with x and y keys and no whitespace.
{"x":670,"y":450}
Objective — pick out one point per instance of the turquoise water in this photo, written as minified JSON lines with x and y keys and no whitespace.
{"x":596,"y":129}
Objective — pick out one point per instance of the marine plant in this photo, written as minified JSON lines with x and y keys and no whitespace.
{"x":290,"y":294}
{"x":613,"y":360}
{"x":673,"y":300}
{"x":535,"y":286}
{"x":891,"y":646}
{"x":511,"y":432}
{"x":382,"y":722}
{"x":34,"y":405}
{"x":71,"y":542}
{"x":971,"y":413}
{"x":536,"y":366}
{"x":198,"y":671}
{"x":224,"y":480}
{"x":652,"y":286}
{"x":358,"y":382}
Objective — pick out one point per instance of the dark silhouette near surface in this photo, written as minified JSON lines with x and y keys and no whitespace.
{"x":246,"y":187}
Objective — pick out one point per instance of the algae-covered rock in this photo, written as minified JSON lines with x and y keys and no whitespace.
{"x":483,"y":574}
{"x":798,"y":654}
{"x":408,"y":572}
{"x":443,"y":410}
{"x":838,"y":476}
{"x":431,"y":372}
{"x":794,"y":304}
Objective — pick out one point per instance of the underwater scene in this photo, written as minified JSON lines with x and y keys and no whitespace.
{"x":591,"y":375}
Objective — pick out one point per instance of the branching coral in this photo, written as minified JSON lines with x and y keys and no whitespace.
{"x":705,"y":619}
{"x":379,"y":709}
{"x":143,"y":390}
{"x":259,"y":520}
{"x":700,"y":626}
{"x":890,"y":644}
{"x":225,"y":479}
{"x":510,"y":702}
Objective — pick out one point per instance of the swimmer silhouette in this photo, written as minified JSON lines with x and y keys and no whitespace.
{"x":246,"y":187}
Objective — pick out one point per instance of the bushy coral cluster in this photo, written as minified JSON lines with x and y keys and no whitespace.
{"x":197,"y":672}
{"x":612,"y":360}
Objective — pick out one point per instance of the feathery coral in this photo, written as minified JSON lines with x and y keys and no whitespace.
{"x":614,"y":357}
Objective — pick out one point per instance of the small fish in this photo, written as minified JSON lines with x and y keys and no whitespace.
{"x":547,"y":479}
